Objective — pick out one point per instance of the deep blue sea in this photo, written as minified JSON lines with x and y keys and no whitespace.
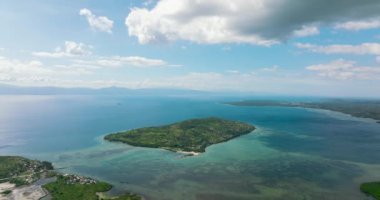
{"x":295,"y":153}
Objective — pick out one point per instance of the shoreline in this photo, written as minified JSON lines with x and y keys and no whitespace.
{"x":189,"y":153}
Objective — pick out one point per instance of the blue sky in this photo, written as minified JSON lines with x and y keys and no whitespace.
{"x":292,"y":47}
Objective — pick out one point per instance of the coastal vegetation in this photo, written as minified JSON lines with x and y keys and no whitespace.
{"x":371,"y":189}
{"x":77,"y":187}
{"x":354,"y":107}
{"x":22,"y":171}
{"x":6,"y":192}
{"x":192,"y":135}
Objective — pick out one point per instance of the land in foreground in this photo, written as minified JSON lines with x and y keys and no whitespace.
{"x":187,"y":136}
{"x":19,"y":179}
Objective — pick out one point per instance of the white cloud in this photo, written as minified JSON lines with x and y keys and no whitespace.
{"x":17,"y":71}
{"x":270,"y":69}
{"x":231,"y":71}
{"x":150,"y":28}
{"x":344,"y":70}
{"x":118,"y":61}
{"x":101,"y":23}
{"x":306,"y":31}
{"x":260,"y":22}
{"x":70,"y":49}
{"x":35,"y":73}
{"x":361,"y":49}
{"x":92,"y":71}
{"x":359,"y":25}
{"x":73,"y":49}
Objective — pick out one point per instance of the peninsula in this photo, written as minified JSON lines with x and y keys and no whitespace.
{"x":354,"y":107}
{"x":190,"y":136}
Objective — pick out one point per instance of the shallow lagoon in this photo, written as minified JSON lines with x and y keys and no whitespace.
{"x":295,"y":153}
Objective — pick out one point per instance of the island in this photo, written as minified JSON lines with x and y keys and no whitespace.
{"x":189,"y":136}
{"x":371,"y":189}
{"x":22,"y":178}
{"x":364,"y":108}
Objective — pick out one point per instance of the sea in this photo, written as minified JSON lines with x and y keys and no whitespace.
{"x":294,"y":154}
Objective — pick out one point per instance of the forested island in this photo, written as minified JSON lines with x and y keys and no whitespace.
{"x":17,"y":171}
{"x":355,"y":107}
{"x":192,"y":135}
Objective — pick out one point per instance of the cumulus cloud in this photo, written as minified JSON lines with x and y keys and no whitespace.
{"x":344,"y":70}
{"x":361,"y":49}
{"x":100,"y":23}
{"x":69,"y":49}
{"x":306,"y":31}
{"x":16,"y":71}
{"x":260,"y":22}
{"x":359,"y":25}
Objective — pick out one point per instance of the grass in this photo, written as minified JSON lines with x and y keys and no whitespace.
{"x":128,"y":196}
{"x":371,"y":189}
{"x":12,"y":167}
{"x":190,"y":135}
{"x":61,"y":190}
{"x":6,"y":192}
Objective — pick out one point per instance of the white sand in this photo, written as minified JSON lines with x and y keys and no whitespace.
{"x":189,"y":153}
{"x":31,"y":192}
{"x":5,"y":186}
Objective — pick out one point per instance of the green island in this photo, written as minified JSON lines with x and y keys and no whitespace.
{"x":17,"y":171}
{"x":192,"y":136}
{"x":355,"y":107}
{"x":371,"y":189}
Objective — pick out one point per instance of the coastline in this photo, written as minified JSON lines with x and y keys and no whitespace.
{"x":316,"y":108}
{"x":189,"y":153}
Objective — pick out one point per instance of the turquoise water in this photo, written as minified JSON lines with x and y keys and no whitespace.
{"x":295,"y":153}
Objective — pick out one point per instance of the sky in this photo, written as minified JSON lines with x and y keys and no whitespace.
{"x":285,"y":47}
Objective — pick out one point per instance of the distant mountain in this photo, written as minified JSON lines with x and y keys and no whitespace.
{"x":18,"y":90}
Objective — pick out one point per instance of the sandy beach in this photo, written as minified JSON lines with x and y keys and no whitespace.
{"x":191,"y":153}
{"x":30,"y":192}
{"x":5,"y":186}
